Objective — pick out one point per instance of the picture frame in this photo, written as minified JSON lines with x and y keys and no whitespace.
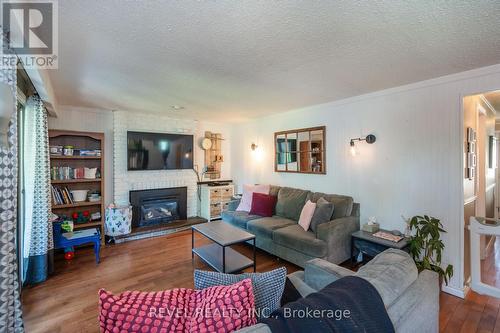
{"x":471,"y":147}
{"x":492,"y":152}
{"x":471,"y":134}
{"x":471,"y":173}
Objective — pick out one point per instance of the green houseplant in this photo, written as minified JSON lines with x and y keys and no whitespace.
{"x":426,"y":245}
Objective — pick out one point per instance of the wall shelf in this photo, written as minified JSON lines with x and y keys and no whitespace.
{"x":58,"y":157}
{"x":78,"y":204}
{"x":75,"y":181}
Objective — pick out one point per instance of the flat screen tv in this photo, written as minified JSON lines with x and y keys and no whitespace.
{"x":159,"y":151}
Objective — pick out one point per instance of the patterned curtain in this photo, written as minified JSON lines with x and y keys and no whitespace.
{"x":38,"y":242}
{"x":10,"y":303}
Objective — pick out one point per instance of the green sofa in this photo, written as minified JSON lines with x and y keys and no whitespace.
{"x":282,"y":236}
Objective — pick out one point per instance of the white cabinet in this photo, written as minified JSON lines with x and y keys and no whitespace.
{"x":214,"y":200}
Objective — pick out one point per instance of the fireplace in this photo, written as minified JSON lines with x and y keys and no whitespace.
{"x":158,"y":206}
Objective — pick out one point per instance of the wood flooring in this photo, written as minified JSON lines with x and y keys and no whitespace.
{"x":67,"y":301}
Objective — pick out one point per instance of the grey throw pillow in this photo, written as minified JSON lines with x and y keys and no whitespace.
{"x":267,"y":287}
{"x":323,"y":213}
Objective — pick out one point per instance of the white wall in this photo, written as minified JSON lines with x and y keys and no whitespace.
{"x":84,"y":119}
{"x":415,"y":167}
{"x":125,"y":181}
{"x":90,"y":120}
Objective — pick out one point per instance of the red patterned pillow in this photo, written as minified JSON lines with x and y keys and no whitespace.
{"x":214,"y":309}
{"x":263,"y":204}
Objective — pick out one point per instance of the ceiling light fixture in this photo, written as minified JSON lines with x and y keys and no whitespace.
{"x":176,"y":107}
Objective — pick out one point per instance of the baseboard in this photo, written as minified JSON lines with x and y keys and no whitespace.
{"x":462,"y":293}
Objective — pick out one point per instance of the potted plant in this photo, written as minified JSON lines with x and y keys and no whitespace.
{"x":426,"y":245}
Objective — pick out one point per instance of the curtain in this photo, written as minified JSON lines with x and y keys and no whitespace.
{"x":10,"y":303}
{"x":38,"y":244}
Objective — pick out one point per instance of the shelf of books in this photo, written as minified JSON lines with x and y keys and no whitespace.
{"x":77,"y":177}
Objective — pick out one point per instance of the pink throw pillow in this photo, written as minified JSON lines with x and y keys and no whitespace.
{"x":214,"y":309}
{"x":307,"y":214}
{"x":248,"y":191}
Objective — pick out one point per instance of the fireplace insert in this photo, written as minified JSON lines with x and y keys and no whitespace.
{"x":158,"y":206}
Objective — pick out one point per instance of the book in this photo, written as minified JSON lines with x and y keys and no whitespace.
{"x":388,"y":236}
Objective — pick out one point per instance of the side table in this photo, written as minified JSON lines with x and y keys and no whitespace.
{"x":366,"y":243}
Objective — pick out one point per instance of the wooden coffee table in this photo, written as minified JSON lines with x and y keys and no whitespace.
{"x":219,"y":255}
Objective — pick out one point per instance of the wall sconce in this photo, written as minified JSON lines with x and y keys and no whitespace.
{"x":253,"y":146}
{"x":369,"y":139}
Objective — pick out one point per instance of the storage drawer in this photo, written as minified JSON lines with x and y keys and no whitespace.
{"x":227,"y":193}
{"x":215,"y":210}
{"x":225,"y":206}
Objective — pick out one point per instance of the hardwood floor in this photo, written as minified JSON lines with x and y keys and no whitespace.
{"x":67,"y":302}
{"x":477,"y":313}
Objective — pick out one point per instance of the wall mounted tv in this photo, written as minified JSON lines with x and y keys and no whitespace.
{"x":159,"y":151}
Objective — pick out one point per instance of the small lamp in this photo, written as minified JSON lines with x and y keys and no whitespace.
{"x":370,"y":138}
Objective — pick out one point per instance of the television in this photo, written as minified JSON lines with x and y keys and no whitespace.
{"x":159,"y":151}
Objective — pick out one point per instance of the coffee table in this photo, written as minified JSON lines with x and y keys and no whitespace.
{"x":219,"y":255}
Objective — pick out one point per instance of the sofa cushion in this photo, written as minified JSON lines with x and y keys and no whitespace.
{"x":294,"y":237}
{"x":323,"y":213}
{"x":238,"y":218}
{"x":342,"y":203}
{"x":273,"y":190}
{"x":263,"y":204}
{"x":264,"y":227}
{"x":290,"y":202}
{"x":391,"y":273}
{"x":248,"y":191}
{"x":307,"y":214}
{"x":179,"y":310}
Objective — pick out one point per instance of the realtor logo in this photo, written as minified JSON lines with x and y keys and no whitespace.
{"x":31,"y":28}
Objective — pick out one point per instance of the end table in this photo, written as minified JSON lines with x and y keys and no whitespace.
{"x":364,"y":242}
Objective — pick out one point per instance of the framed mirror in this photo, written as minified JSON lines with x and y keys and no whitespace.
{"x":300,"y":150}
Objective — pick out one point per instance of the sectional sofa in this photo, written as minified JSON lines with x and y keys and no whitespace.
{"x":410,"y":298}
{"x":282,"y":236}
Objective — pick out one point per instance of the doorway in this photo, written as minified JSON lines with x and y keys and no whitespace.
{"x":481,"y":193}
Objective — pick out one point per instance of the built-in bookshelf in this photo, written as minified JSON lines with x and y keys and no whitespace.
{"x":66,"y":175}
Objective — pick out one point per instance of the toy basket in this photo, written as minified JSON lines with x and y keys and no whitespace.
{"x":118,"y":221}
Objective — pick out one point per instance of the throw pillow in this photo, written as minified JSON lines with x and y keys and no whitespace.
{"x":322,"y":214}
{"x":224,"y":308}
{"x":263,"y":204}
{"x":246,"y":199}
{"x":307,"y":214}
{"x":267,"y":287}
{"x":290,"y":294}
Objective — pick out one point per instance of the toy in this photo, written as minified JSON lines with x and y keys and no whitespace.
{"x":69,"y":253}
{"x":67,"y":226}
{"x":81,"y":217}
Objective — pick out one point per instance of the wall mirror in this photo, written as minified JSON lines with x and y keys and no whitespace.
{"x":300,"y":150}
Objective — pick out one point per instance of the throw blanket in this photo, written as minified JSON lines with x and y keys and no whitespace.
{"x":350,"y":304}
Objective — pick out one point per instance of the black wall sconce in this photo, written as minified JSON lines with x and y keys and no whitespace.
{"x":370,"y":138}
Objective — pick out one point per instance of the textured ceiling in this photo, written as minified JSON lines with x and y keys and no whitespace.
{"x":235,"y":60}
{"x":494,"y":99}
